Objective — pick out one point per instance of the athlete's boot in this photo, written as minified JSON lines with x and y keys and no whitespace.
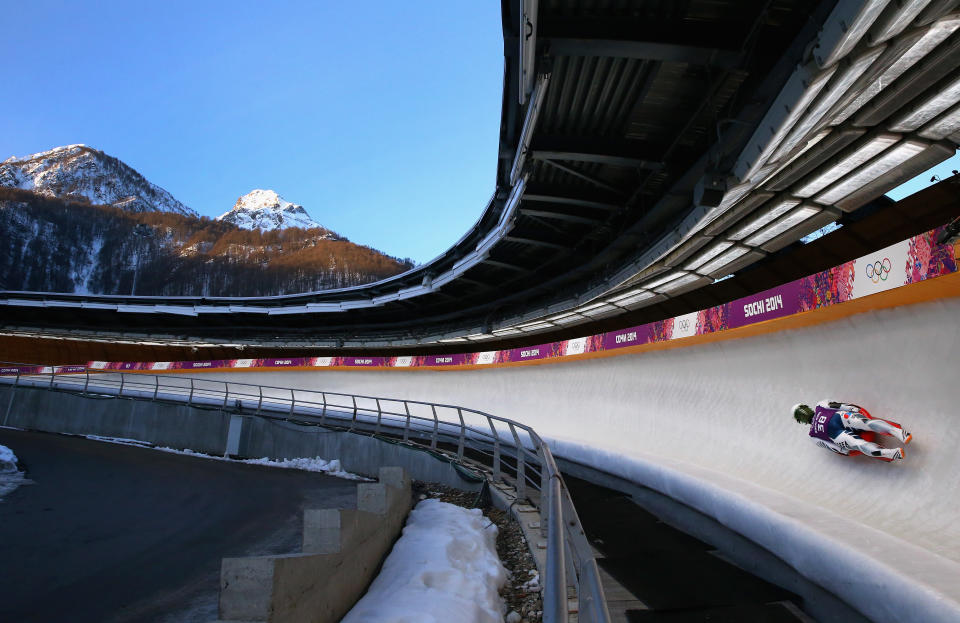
{"x":888,"y":454}
{"x":885,"y":427}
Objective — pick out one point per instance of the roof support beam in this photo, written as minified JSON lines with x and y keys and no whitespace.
{"x":644,"y":50}
{"x":570,"y":218}
{"x":533,"y":241}
{"x":473,"y":282}
{"x":617,"y":161}
{"x":573,"y":201}
{"x":584,"y":176}
{"x":507,"y":265}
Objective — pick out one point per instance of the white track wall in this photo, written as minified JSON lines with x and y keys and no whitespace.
{"x":711,"y":425}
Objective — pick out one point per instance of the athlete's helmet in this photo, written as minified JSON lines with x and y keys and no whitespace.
{"x":802,"y":414}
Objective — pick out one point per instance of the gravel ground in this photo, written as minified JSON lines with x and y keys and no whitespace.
{"x":522,"y":593}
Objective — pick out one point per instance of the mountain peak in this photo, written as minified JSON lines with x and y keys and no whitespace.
{"x":74,"y":171}
{"x":66,"y":150}
{"x":265,"y":209}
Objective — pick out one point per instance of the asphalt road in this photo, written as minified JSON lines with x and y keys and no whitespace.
{"x":114,"y":533}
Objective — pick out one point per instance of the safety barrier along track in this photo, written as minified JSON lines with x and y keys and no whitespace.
{"x":511,"y":452}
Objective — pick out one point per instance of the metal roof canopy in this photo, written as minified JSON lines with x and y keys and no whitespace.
{"x":636,"y":136}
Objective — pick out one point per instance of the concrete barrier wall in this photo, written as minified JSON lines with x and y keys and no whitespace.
{"x":342,"y":550}
{"x":359,"y":454}
{"x":174,"y":426}
{"x":215,"y":432}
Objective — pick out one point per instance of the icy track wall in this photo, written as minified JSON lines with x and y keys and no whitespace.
{"x":711,"y":426}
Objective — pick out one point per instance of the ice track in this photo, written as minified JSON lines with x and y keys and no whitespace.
{"x":710,"y":425}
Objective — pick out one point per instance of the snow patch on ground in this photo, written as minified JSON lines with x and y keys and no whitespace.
{"x":10,"y":477}
{"x":121,"y":440}
{"x":443,"y":568}
{"x":8,"y":460}
{"x":316,"y":464}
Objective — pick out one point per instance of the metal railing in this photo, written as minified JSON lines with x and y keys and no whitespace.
{"x":509,"y":452}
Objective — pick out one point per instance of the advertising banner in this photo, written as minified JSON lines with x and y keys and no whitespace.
{"x":576,"y":346}
{"x":767,"y":305}
{"x":882,"y":270}
{"x":531,"y":353}
{"x":442,"y":360}
{"x":486,"y":357}
{"x":685,"y":326}
{"x":632,"y":336}
{"x":201,"y":365}
{"x":282,"y":363}
{"x":363,"y":362}
{"x":15,"y":370}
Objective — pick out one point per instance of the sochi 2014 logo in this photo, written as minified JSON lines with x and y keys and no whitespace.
{"x":879,"y":270}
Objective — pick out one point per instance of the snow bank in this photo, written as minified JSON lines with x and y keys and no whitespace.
{"x":316,"y":464}
{"x":443,"y":568}
{"x":10,"y":478}
{"x":8,"y":460}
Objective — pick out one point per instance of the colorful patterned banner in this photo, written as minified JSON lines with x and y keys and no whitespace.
{"x":775,"y":303}
{"x":906,"y":262}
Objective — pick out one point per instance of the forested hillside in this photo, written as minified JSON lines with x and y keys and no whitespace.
{"x":51,"y":244}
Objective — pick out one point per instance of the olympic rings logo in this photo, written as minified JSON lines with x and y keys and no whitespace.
{"x":879,"y":271}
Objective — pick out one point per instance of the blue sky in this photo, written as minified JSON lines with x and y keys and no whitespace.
{"x":943,"y":170}
{"x":380,"y":118}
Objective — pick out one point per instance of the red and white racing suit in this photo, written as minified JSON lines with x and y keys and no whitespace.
{"x":835,"y":426}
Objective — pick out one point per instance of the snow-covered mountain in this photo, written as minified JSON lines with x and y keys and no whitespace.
{"x":266,"y":210}
{"x":80,"y":171}
{"x":74,"y":219}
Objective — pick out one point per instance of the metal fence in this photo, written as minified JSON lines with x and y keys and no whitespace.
{"x":510,"y":452}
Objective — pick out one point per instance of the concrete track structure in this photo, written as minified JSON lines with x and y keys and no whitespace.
{"x":710,"y":426}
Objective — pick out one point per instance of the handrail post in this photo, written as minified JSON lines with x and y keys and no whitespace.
{"x":260,"y":401}
{"x":593,"y":606}
{"x":156,"y":386}
{"x":376,"y":429}
{"x":436,"y":428}
{"x":293,"y":402}
{"x":555,"y":586}
{"x":190,"y":397}
{"x":323,"y":414}
{"x":354,"y":399}
{"x":86,"y":383}
{"x":406,"y":427}
{"x":53,"y":374}
{"x":463,"y":433}
{"x":226,"y":394}
{"x":521,"y":461}
{"x":496,"y":450}
{"x":546,"y":492}
{"x":13,"y":392}
{"x":122,"y":379}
